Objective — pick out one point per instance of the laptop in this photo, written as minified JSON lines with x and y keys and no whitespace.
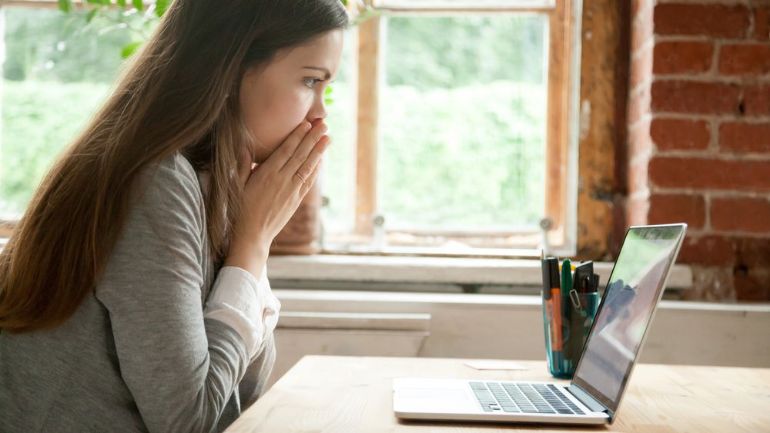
{"x":593,"y":397}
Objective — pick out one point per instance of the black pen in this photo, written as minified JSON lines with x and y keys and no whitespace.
{"x":552,"y":301}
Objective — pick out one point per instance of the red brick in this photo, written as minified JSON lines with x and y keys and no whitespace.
{"x":695,"y":97}
{"x":669,"y":134}
{"x":752,"y":285}
{"x":753,"y":252}
{"x":745,"y":137}
{"x":744,"y":59}
{"x":762,"y":24}
{"x":724,"y":21}
{"x":674,"y":208}
{"x":752,"y":269}
{"x":709,"y":250}
{"x":682,"y":57}
{"x":741,"y":214}
{"x":757,"y":100}
{"x":707,"y":173}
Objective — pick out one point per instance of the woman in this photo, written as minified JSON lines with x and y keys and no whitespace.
{"x":133,"y":293}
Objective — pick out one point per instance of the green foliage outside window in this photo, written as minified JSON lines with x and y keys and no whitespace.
{"x":462,"y":116}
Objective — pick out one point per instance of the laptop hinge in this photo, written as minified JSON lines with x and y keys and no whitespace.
{"x":586,"y":399}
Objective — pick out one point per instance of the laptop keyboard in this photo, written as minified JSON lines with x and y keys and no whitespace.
{"x":522,"y":398}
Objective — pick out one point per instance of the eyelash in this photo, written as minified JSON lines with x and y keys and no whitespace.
{"x":311,"y":82}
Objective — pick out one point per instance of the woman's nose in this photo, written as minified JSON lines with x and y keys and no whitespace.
{"x":318,"y":110}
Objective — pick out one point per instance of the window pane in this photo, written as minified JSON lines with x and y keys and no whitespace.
{"x":463,"y":122}
{"x":337,"y":176}
{"x":449,"y":4}
{"x":57,"y":71}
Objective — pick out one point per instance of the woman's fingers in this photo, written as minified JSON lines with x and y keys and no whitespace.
{"x":289,"y":146}
{"x":305,"y":188}
{"x":280,"y":191}
{"x":305,"y":172}
{"x":305,"y":147}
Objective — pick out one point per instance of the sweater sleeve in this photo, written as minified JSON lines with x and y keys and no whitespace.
{"x":180,"y":370}
{"x":245,"y":304}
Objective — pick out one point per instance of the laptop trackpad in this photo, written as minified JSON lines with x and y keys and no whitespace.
{"x":435,"y":396}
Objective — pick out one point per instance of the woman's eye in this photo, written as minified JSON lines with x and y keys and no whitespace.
{"x":311,"y":82}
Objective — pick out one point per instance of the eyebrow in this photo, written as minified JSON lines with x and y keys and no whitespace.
{"x":326,"y":72}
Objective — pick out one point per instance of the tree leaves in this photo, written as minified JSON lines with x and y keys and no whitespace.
{"x":91,"y":14}
{"x":65,"y":5}
{"x":130,"y":49}
{"x":328,"y":98}
{"x":160,"y":7}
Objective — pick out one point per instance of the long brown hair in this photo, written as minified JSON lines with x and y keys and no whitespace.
{"x":180,"y":94}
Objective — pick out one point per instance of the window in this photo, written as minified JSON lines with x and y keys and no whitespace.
{"x":453,"y":120}
{"x":463,"y":138}
{"x":56,"y":73}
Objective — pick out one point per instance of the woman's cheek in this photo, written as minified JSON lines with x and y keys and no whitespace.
{"x":296,"y":110}
{"x":282,"y":116}
{"x":301,"y":104}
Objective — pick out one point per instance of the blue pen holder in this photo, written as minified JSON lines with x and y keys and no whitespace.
{"x":565,"y":337}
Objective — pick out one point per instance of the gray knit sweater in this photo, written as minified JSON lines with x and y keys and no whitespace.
{"x":138,"y":355}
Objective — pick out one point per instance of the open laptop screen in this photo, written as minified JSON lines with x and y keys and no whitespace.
{"x":633,"y":291}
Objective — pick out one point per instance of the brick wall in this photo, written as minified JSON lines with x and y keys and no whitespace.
{"x":699,"y":136}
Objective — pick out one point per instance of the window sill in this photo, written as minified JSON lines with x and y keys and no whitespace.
{"x":427,"y":270}
{"x":430,"y":270}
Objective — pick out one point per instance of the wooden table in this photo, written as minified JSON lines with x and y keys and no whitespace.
{"x":354,"y":395}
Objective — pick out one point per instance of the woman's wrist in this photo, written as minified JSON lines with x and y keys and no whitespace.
{"x":251,"y":258}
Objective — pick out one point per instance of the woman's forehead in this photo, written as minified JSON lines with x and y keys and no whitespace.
{"x":321,"y":50}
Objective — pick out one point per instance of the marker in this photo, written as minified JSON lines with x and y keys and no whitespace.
{"x":566,"y":275}
{"x":555,"y":301}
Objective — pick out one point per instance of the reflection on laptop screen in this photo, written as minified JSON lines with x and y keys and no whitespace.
{"x":632,"y":293}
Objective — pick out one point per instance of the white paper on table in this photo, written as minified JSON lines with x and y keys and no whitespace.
{"x":495,"y":364}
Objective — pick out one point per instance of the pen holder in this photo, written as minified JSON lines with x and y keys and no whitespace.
{"x":565,"y":338}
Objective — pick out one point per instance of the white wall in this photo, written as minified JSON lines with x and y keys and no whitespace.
{"x":498,"y":327}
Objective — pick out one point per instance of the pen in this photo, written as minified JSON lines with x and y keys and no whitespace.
{"x":547,"y":304}
{"x":552,"y":299}
{"x":556,"y":327}
{"x":566,"y":275}
{"x":564,"y":313}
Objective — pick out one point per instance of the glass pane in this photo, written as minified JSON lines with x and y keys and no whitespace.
{"x":57,"y":71}
{"x":463,"y":122}
{"x":337,"y":178}
{"x":478,"y":4}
